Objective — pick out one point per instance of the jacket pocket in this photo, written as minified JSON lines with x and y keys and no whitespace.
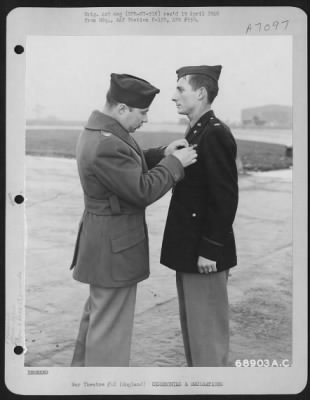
{"x":128,"y":239}
{"x":130,"y":256}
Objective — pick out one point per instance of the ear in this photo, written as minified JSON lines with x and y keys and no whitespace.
{"x":122,"y":108}
{"x":202,"y":93}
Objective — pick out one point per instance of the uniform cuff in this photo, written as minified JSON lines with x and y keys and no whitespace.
{"x":209,"y":248}
{"x":174,"y":165}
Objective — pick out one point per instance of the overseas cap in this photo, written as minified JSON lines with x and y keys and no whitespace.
{"x":132,"y":91}
{"x":211,"y":71}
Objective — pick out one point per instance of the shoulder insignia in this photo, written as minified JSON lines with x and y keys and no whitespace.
{"x":105,"y":133}
{"x":216,"y":124}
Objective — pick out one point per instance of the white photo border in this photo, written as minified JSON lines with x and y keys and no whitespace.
{"x":23,"y":22}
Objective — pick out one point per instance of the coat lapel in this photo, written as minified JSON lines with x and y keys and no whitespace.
{"x":103,"y":122}
{"x":194,"y":133}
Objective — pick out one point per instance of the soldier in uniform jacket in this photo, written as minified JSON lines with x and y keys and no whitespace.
{"x":198,"y":240}
{"x":119,"y":181}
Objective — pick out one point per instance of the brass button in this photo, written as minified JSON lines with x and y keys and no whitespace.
{"x":194,"y":215}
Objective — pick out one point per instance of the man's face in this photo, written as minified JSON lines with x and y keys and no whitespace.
{"x":135,"y":118}
{"x":185,"y":97}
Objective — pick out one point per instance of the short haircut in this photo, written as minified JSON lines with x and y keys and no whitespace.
{"x":197,"y":81}
{"x":110,"y":100}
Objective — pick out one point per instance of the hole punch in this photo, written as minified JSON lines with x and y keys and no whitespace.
{"x":18,"y":350}
{"x":19,"y":199}
{"x":19,"y":49}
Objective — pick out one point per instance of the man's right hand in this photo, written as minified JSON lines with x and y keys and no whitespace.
{"x":187,"y":156}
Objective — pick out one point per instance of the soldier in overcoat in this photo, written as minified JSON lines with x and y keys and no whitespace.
{"x":198,"y":240}
{"x":119,"y":181}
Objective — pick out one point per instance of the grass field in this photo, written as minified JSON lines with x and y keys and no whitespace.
{"x":255,"y":156}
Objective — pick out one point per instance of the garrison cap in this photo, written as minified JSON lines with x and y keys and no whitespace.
{"x":132,"y":91}
{"x":213,"y":71}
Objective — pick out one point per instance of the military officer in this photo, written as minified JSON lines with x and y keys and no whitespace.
{"x":118,"y":180}
{"x":198,"y":240}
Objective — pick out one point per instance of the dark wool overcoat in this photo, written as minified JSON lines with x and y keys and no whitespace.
{"x":204,"y":203}
{"x":112,"y":244}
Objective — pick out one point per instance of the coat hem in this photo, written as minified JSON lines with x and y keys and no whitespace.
{"x":114,"y":284}
{"x":176,"y":269}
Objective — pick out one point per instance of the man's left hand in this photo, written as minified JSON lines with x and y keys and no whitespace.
{"x":175,"y":145}
{"x":205,"y":266}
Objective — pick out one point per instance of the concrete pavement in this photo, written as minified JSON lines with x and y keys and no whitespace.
{"x":54,"y":300}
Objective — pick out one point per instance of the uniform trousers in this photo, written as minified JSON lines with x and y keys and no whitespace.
{"x":105,"y":332}
{"x":204,"y":317}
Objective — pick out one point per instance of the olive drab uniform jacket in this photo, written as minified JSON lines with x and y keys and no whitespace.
{"x":203,"y":205}
{"x":112,"y":244}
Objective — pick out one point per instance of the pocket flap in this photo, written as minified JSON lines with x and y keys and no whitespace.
{"x":128,"y":239}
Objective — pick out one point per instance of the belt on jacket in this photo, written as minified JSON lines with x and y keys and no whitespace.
{"x":110,"y":206}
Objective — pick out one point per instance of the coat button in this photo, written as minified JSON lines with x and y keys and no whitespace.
{"x":195,"y":131}
{"x":194,"y":215}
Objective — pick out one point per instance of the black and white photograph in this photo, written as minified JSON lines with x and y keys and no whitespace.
{"x":160,"y":201}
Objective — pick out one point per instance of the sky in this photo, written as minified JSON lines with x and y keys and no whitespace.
{"x":68,"y":76}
